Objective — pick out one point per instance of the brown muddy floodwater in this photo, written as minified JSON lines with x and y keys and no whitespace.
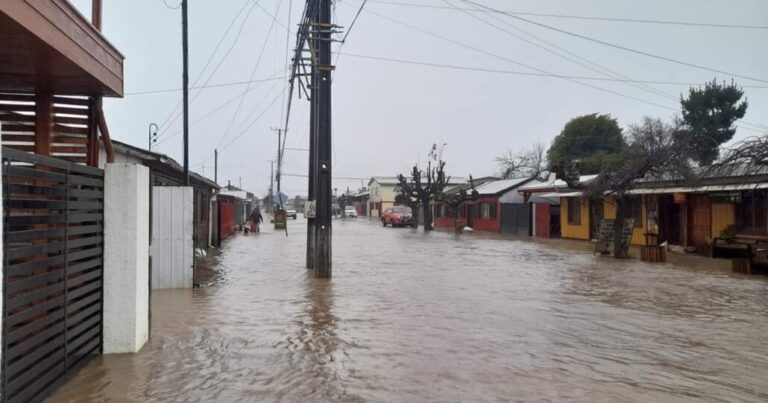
{"x":414,"y":317}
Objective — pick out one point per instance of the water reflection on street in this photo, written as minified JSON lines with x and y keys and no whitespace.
{"x":414,"y":317}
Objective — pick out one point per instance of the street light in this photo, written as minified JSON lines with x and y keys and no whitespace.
{"x":152,"y":136}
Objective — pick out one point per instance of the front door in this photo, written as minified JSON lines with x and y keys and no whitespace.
{"x":699,"y":219}
{"x":670,"y":221}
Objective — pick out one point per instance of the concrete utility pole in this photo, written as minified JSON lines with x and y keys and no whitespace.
{"x":279,"y":162}
{"x":322,"y":31}
{"x":271,"y":185}
{"x":152,"y":135}
{"x":185,"y":79}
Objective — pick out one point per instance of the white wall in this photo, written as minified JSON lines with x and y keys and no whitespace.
{"x":172,"y":247}
{"x":120,"y":158}
{"x":126,"y":258}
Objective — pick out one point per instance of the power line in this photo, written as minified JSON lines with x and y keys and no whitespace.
{"x":497,"y":56}
{"x":285,"y":27}
{"x":283,"y":106}
{"x":228,"y":84}
{"x":253,"y":73}
{"x":170,"y":7}
{"x":245,"y":130}
{"x":570,"y":56}
{"x":744,"y":124}
{"x":256,"y":119}
{"x":218,"y":108}
{"x":541,"y":71}
{"x":616,"y":46}
{"x":352,"y":24}
{"x":352,"y":178}
{"x":525,"y":73}
{"x":167,"y":121}
{"x":582,"y":17}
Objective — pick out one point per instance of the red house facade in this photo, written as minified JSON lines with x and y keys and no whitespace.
{"x":489,"y":212}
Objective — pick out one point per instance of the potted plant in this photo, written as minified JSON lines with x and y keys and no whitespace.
{"x":728,"y":234}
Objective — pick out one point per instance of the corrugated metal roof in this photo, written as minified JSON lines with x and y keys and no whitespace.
{"x":500,"y":186}
{"x":683,"y":189}
{"x":392,"y":180}
{"x":553,"y":183}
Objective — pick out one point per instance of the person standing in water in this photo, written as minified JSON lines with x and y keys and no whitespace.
{"x":256,"y":219}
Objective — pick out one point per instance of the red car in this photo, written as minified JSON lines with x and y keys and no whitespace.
{"x":398,"y":216}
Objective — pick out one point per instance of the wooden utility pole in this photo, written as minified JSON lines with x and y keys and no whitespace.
{"x":311,"y":196}
{"x":216,"y":166}
{"x":322,"y":31}
{"x":185,"y":85}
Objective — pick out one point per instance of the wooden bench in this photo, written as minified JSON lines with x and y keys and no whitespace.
{"x":748,"y":253}
{"x":742,"y":246}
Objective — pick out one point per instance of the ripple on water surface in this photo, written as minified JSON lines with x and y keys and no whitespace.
{"x":412,"y":317}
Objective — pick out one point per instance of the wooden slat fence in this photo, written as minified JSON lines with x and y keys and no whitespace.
{"x":52,"y":271}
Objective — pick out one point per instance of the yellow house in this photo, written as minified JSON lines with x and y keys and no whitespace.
{"x":691,"y":218}
{"x":384,"y":189}
{"x":636,"y":208}
{"x":383,"y":194}
{"x":575,"y":216}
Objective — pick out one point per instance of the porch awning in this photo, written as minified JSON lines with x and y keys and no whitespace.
{"x":562,"y":194}
{"x":49,"y":44}
{"x":700,"y":189}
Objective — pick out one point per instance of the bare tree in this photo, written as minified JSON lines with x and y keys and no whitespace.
{"x":749,"y":156}
{"x":455,"y":200}
{"x":423,"y":185}
{"x":652,"y":151}
{"x":531,"y":163}
{"x":408,"y":195}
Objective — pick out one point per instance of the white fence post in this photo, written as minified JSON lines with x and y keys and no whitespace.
{"x":126,"y":258}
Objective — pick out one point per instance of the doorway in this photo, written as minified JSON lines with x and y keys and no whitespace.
{"x":670,"y":220}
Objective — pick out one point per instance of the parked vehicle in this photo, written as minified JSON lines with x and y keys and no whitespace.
{"x":397,"y":216}
{"x":350,"y":212}
{"x":290,"y":213}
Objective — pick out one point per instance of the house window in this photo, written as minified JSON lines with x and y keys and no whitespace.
{"x":574,"y":210}
{"x":439,"y":211}
{"x":751,"y":212}
{"x":635,"y":210}
{"x":487,"y":210}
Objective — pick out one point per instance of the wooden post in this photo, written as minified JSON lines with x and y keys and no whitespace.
{"x":93,"y":132}
{"x":96,"y":14}
{"x":43,"y":123}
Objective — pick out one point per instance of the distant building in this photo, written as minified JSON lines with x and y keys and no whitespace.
{"x":383,"y":190}
{"x":244,"y":202}
{"x":165,"y":171}
{"x":499,"y":208}
{"x":382,"y":194}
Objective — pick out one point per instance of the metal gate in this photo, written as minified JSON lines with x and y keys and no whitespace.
{"x":515,"y":218}
{"x":172,"y":244}
{"x":52,"y":271}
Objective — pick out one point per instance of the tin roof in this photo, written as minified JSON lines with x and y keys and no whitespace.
{"x":501,"y":186}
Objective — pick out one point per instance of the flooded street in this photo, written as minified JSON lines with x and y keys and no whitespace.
{"x":414,"y":317}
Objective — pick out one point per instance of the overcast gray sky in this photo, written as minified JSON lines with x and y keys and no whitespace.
{"x":388,"y":114}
